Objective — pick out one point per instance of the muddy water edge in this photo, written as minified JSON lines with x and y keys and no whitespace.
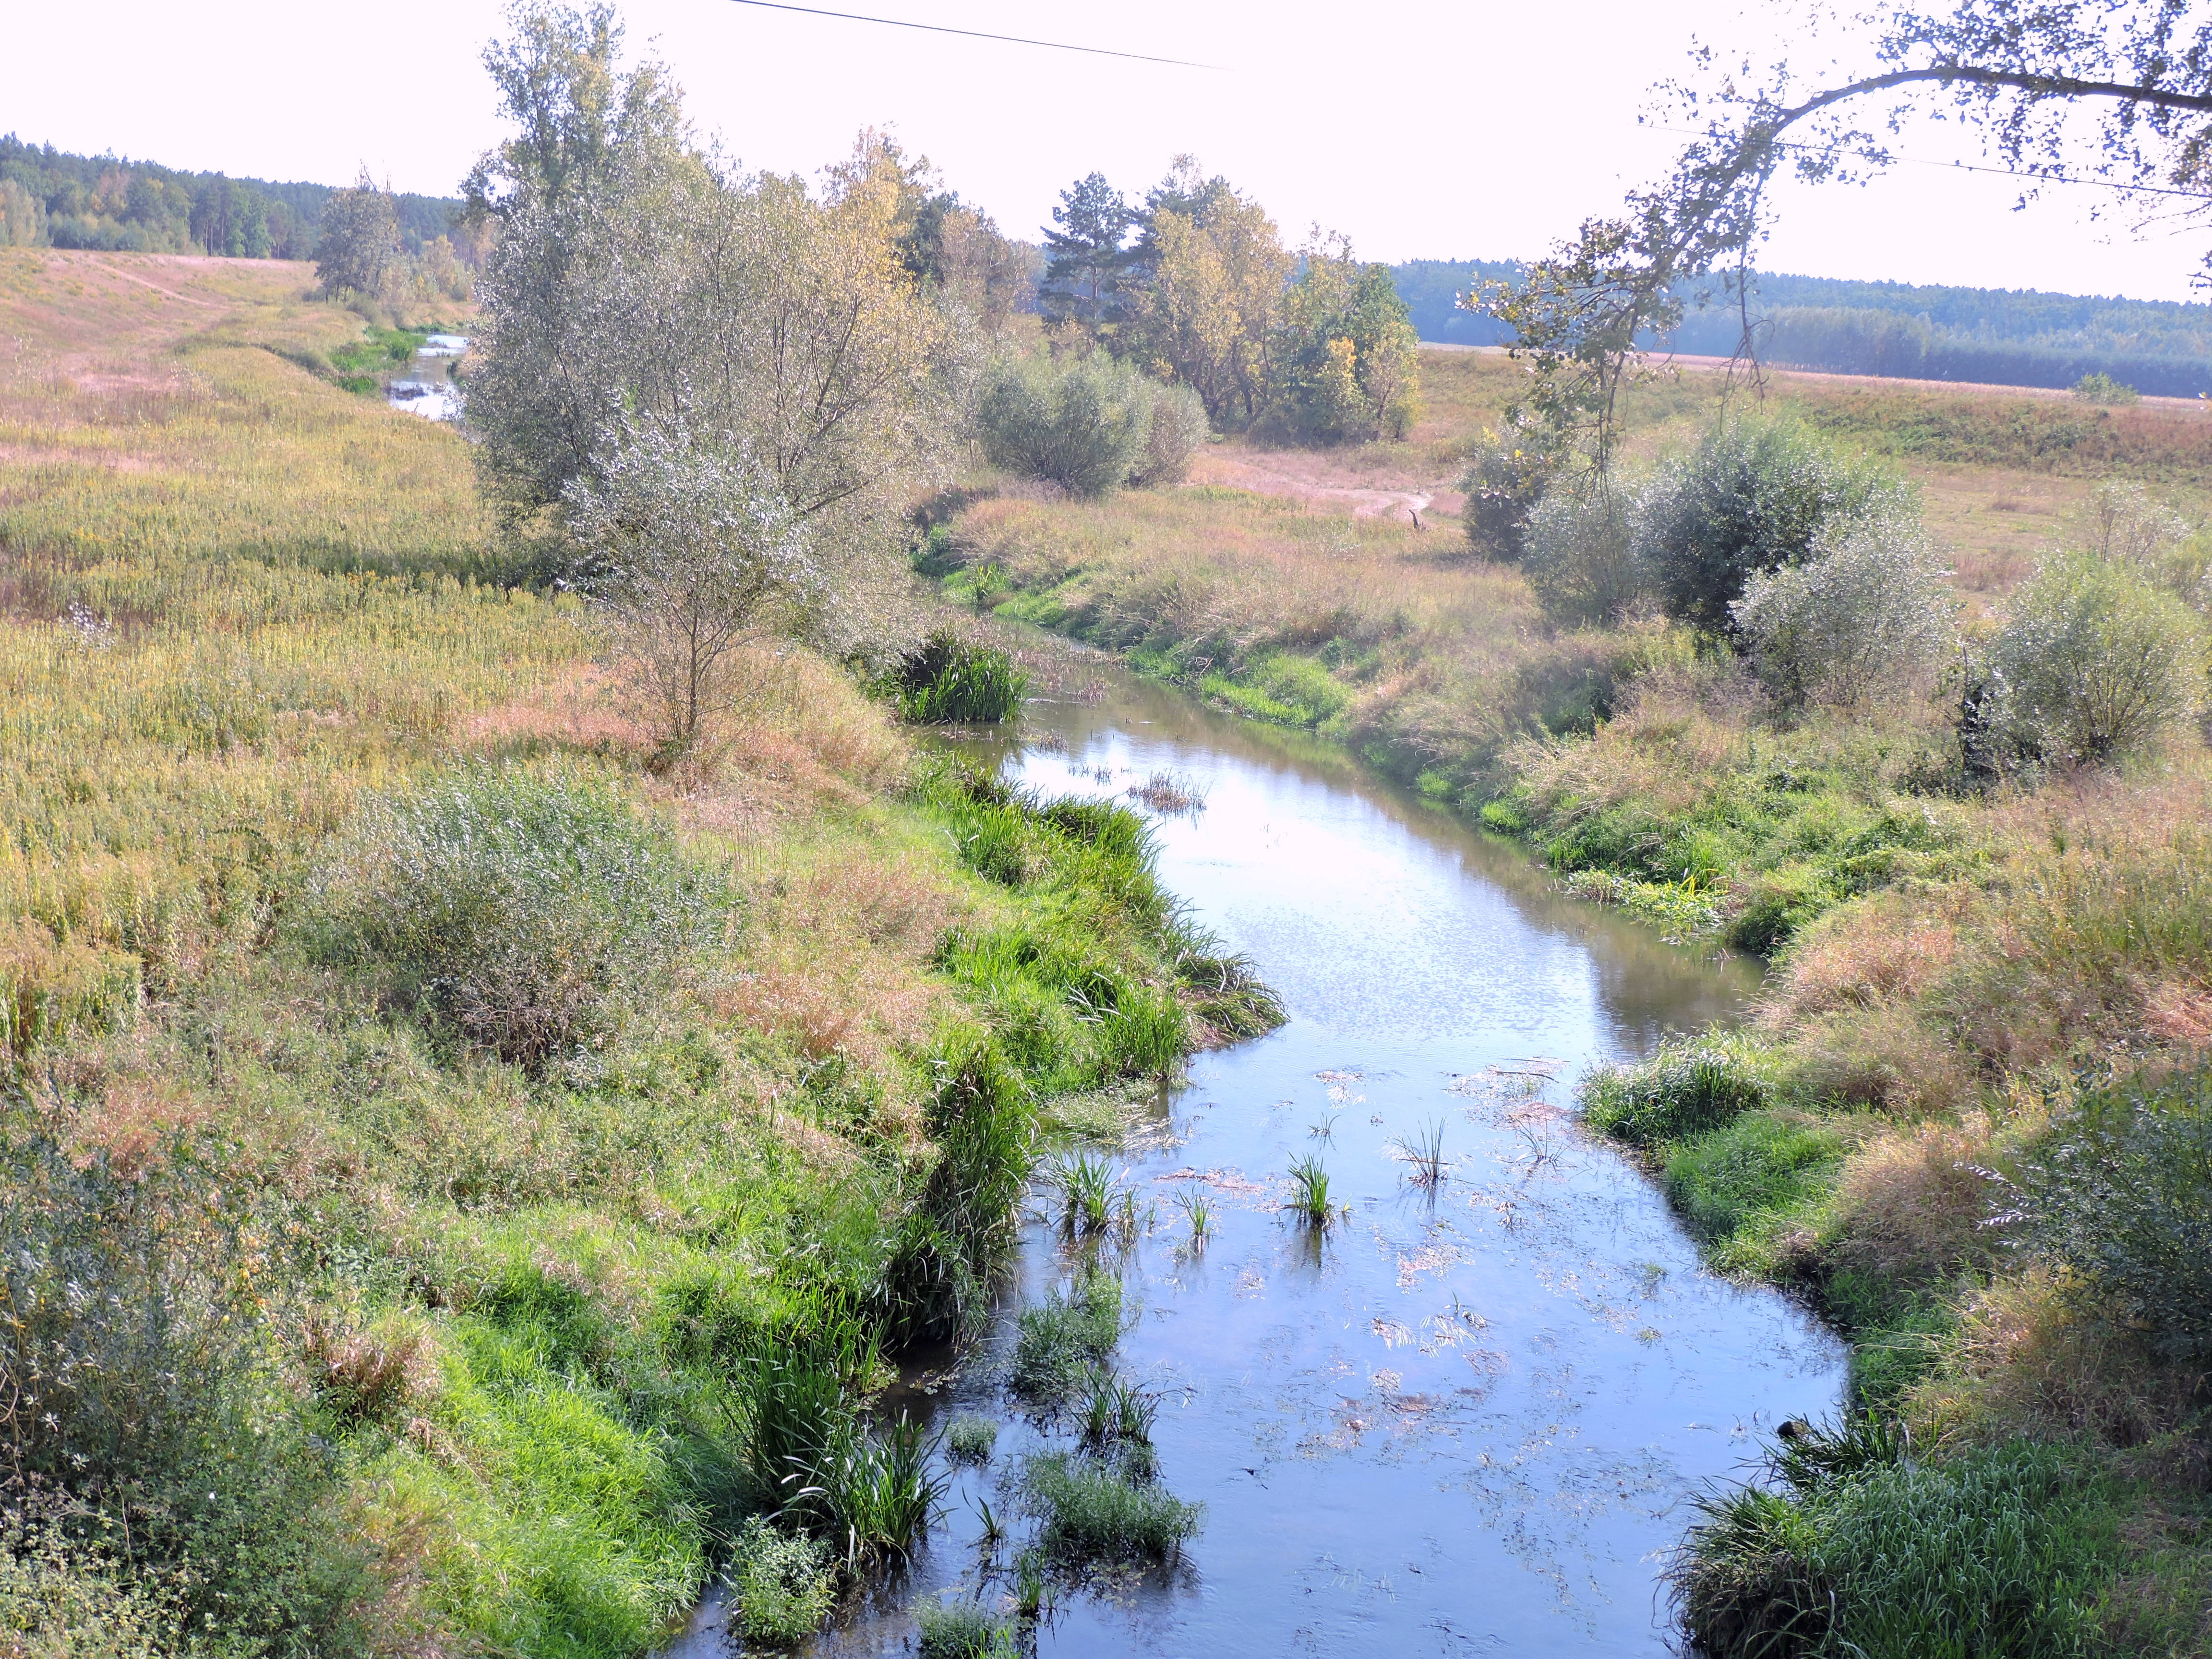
{"x":1467,"y":1416}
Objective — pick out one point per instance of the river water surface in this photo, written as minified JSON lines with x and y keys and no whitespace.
{"x":1469,"y":1420}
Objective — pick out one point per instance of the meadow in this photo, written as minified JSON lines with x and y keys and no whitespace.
{"x":1962,"y":975}
{"x":504,"y":1162}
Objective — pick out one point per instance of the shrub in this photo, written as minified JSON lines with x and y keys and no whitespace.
{"x":2094,"y":662}
{"x":1684,"y":1088}
{"x":1507,"y":477}
{"x":1753,"y":498}
{"x":1093,"y":1513}
{"x":531,"y":915}
{"x":2102,"y":388}
{"x":2121,"y":1190}
{"x":1578,"y":556}
{"x":1061,"y":1340}
{"x":1998,"y":1552}
{"x":1179,"y":425}
{"x":785,"y":1584}
{"x":1867,"y":611}
{"x":962,"y":1629}
{"x":1084,"y":425}
{"x":946,"y":680}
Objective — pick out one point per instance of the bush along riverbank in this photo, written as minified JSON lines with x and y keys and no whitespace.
{"x":1968,"y":1120}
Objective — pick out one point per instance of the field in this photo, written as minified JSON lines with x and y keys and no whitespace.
{"x":426,"y":1272}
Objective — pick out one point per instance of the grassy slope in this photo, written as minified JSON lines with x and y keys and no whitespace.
{"x":1947,"y":965}
{"x":235,"y":603}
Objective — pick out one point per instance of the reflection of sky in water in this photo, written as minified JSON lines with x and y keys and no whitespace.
{"x":428,"y":388}
{"x":1467,"y":1423}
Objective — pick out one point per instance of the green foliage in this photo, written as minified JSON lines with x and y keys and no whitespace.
{"x":2121,"y":1191}
{"x":2101,"y":388}
{"x":1867,"y":615}
{"x":1308,"y":1199}
{"x":1180,"y":424}
{"x":1740,"y":1185}
{"x":1083,"y":424}
{"x":1998,"y":1553}
{"x":1508,"y":475}
{"x":1342,"y":363}
{"x":1578,"y":554}
{"x":2095,"y":663}
{"x":1094,"y":1514}
{"x":529,"y":915}
{"x":1753,"y":498}
{"x":1686,"y":1088}
{"x":1062,"y":1341}
{"x":962,"y":1629}
{"x":152,"y":1399}
{"x":946,"y":680}
{"x":785,"y":1583}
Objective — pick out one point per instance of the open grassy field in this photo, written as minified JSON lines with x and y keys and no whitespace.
{"x":426,"y":1274}
{"x":1955,"y":970}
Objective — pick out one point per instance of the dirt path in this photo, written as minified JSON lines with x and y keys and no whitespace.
{"x":1314,"y":476}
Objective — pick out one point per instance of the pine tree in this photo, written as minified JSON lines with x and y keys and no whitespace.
{"x":1084,"y":259}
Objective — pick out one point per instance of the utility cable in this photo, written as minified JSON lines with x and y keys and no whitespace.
{"x":975,"y":34}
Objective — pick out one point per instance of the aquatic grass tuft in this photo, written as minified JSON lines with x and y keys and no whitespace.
{"x":1116,"y":1414}
{"x":1169,"y":792}
{"x":1310,"y":1199}
{"x":785,"y":1583}
{"x":1060,"y":1340}
{"x":1085,"y":1189}
{"x":969,"y":1439}
{"x":1425,"y":1150}
{"x":1092,"y":1513}
{"x":1199,"y":1212}
{"x":962,"y":1629}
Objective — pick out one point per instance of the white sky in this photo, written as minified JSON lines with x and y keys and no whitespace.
{"x":1423,"y":129}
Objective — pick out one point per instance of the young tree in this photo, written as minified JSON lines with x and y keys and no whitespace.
{"x":1085,"y":259}
{"x":360,"y":238}
{"x":1344,"y":360}
{"x":1580,"y":556}
{"x":693,"y":549}
{"x":1085,"y":425}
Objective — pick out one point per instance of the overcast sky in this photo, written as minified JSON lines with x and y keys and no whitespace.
{"x":1422,"y":129}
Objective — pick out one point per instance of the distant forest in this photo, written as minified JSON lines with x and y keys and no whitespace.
{"x":50,"y":198}
{"x":2005,"y":337}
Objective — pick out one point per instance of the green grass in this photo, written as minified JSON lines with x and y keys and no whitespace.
{"x":1062,"y":1341}
{"x":1093,"y":1514}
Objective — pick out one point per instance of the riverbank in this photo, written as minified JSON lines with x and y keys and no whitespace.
{"x":463,"y":1115}
{"x":1961,"y":980}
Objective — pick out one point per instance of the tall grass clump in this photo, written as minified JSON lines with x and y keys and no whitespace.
{"x":529,"y":915}
{"x":1309,"y":1199}
{"x":947,"y":681}
{"x":1062,"y":1341}
{"x":1686,"y":1087}
{"x":1999,"y":1551}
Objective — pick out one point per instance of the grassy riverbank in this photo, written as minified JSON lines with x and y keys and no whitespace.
{"x":480,"y":1139}
{"x":1967,"y":983}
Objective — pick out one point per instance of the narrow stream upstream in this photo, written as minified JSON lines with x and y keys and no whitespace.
{"x":1467,"y":1422}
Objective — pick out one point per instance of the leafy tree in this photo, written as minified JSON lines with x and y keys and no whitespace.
{"x":1507,"y":478}
{"x":1213,"y":303}
{"x":1086,"y":258}
{"x":360,"y":239}
{"x":947,"y":247}
{"x":1753,"y":498}
{"x":1580,"y":554}
{"x":1344,"y":358}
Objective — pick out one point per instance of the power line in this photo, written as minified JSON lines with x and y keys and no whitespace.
{"x":975,"y":34}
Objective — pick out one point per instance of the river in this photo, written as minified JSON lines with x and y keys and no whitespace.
{"x":1469,"y":1420}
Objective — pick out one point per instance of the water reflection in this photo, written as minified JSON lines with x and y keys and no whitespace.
{"x":428,"y":388}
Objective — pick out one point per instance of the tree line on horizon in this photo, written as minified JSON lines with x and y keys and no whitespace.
{"x":50,"y":197}
{"x":2022,"y":336}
